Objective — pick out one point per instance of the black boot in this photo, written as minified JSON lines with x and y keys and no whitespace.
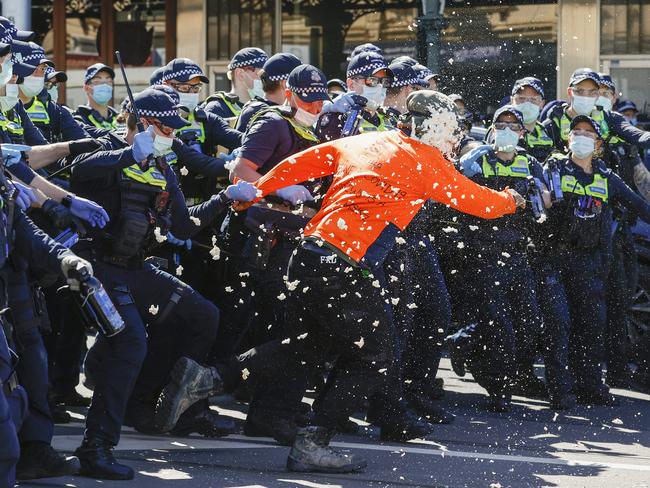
{"x":140,"y":415}
{"x":563,"y":402}
{"x":70,"y":399}
{"x":404,"y":427}
{"x":189,"y":383}
{"x":204,"y":422}
{"x":530,"y":386}
{"x":311,"y":453}
{"x":40,"y":460}
{"x":97,"y":461}
{"x":499,"y":403}
{"x":59,"y":414}
{"x":283,"y":430}
{"x":597,"y":398}
{"x":430,"y":409}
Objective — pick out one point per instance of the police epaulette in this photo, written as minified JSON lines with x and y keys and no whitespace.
{"x":200,"y":115}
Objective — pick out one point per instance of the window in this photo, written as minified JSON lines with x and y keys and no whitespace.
{"x":625,"y":27}
{"x":234,"y":24}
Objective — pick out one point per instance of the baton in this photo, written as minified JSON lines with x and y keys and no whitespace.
{"x":129,"y":93}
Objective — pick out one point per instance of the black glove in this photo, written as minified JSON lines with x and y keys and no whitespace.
{"x":83,"y":146}
{"x":60,"y":216}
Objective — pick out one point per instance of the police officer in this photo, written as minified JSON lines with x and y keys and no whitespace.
{"x":275,"y":133}
{"x":578,"y":239}
{"x":145,"y":204}
{"x":156,"y":77}
{"x":245,"y":84}
{"x":335,"y":87}
{"x":405,"y":82}
{"x":273,"y":76}
{"x":54,"y":121}
{"x":528,"y":97}
{"x":367,"y":75}
{"x":366,"y":47}
{"x":507,"y":310}
{"x":627,"y":108}
{"x":98,"y":86}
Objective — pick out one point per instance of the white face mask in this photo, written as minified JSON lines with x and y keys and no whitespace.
{"x":188,"y":100}
{"x":583,"y":105}
{"x":304,"y":118}
{"x":529,"y":110}
{"x":162,"y":145}
{"x":7,"y":71}
{"x":257,"y":90}
{"x":605,"y":103}
{"x":582,"y":146}
{"x":32,"y":86}
{"x":375,"y":95}
{"x":10,"y":100}
{"x":505,"y":140}
{"x":54,"y":93}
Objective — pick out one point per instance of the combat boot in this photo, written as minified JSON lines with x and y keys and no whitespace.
{"x":311,"y":453}
{"x":189,"y":383}
{"x":40,"y":460}
{"x":97,"y":461}
{"x":283,"y":430}
{"x":204,"y":422}
{"x":404,"y":426}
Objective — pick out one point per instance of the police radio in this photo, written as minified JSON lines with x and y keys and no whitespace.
{"x":351,"y":126}
{"x":555,"y":181}
{"x":536,"y":200}
{"x":97,"y":309}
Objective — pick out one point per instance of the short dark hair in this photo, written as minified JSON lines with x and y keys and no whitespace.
{"x":269,"y":86}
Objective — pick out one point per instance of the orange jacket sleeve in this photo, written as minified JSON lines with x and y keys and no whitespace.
{"x":459,"y":192}
{"x":315,"y":162}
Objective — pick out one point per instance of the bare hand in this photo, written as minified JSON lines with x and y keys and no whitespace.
{"x":520,"y":201}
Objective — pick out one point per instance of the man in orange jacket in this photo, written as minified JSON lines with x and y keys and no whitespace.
{"x":336,"y":306}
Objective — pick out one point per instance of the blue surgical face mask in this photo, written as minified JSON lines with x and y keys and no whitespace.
{"x":188,"y":100}
{"x":102,"y":94}
{"x":10,"y":100}
{"x":583,"y":105}
{"x":32,"y":85}
{"x":505,"y":140}
{"x":375,"y":95}
{"x":162,"y":145}
{"x":632,"y":120}
{"x":54,"y":93}
{"x":605,"y":103}
{"x":7,"y":71}
{"x":529,"y":110}
{"x":582,"y":146}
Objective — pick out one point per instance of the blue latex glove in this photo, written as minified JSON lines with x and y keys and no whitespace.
{"x":469,"y":164}
{"x":13,"y":153}
{"x":344,"y":102}
{"x":25,"y":196}
{"x":171,"y":239}
{"x":243,"y":191}
{"x":294,"y":194}
{"x":89,"y":211}
{"x":232,"y":156}
{"x":142,"y":146}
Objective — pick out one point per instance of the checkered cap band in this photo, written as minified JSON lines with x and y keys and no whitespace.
{"x":248,"y":62}
{"x":310,"y":89}
{"x":12,"y":30}
{"x":368,"y":67}
{"x":410,"y":81}
{"x":157,"y":113}
{"x":7,"y":38}
{"x":35,"y":55}
{"x":279,"y":77}
{"x":170,"y":75}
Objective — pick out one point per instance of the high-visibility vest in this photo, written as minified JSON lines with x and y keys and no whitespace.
{"x":599,"y":188}
{"x":37,"y":112}
{"x":519,"y":168}
{"x":152,"y":176}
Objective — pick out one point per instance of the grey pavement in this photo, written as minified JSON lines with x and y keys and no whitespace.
{"x":530,"y":447}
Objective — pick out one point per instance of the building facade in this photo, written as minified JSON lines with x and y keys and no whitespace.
{"x":485,"y":45}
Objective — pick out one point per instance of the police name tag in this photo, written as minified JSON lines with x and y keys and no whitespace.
{"x":328,"y":259}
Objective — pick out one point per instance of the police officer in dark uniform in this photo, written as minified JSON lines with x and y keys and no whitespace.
{"x":528,"y":97}
{"x":578,"y":235}
{"x":98,"y":85}
{"x":145,"y":204}
{"x":497,"y":269}
{"x":245,"y":84}
{"x":405,"y":81}
{"x":368,"y":75}
{"x":275,"y":133}
{"x":273,"y":76}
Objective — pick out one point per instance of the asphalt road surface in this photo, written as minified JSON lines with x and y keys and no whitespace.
{"x":530,"y":447}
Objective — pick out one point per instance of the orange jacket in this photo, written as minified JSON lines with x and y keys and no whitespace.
{"x":381,"y":180}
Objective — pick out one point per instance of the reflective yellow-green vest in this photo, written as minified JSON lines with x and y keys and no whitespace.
{"x":13,"y":125}
{"x":366,"y":126}
{"x":194,"y":127}
{"x":104,"y":124}
{"x":303,"y":132}
{"x":538,"y":137}
{"x":519,"y":168}
{"x":597,"y":189}
{"x":564,"y":124}
{"x":152,"y":176}
{"x":37,"y":112}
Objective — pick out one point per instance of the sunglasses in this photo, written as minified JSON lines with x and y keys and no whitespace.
{"x":373,"y":81}
{"x":168,"y":131}
{"x":513,"y":126}
{"x":187,"y":87}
